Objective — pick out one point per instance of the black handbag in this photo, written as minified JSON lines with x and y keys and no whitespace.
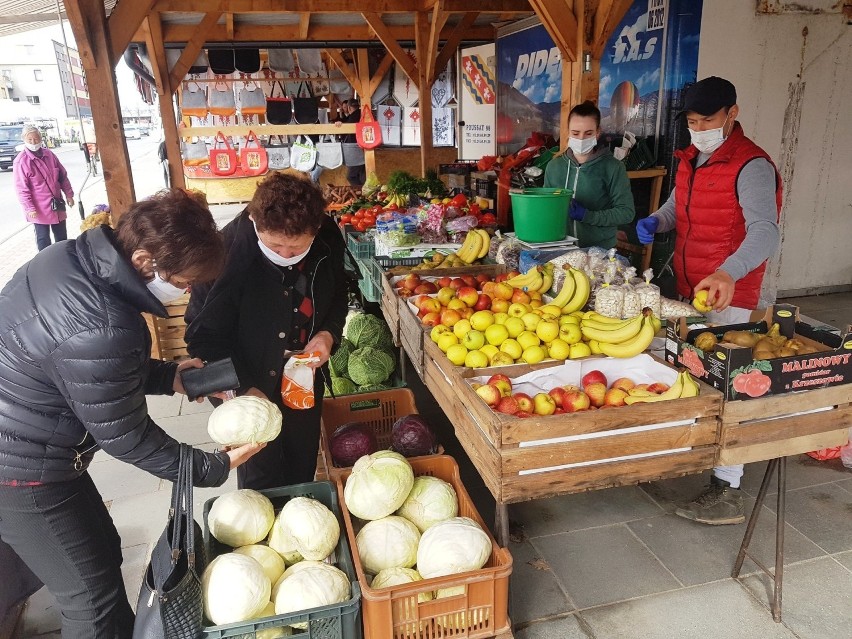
{"x":213,"y":377}
{"x":306,"y":108}
{"x":279,"y":110}
{"x":170,"y":604}
{"x":247,"y":60}
{"x":222,"y":61}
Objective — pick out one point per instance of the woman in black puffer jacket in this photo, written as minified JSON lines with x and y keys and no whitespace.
{"x":74,"y":371}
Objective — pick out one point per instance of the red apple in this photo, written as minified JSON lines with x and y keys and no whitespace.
{"x":596,"y":392}
{"x":431,"y":305}
{"x":490,"y":394}
{"x":466,"y":313}
{"x":456,"y":283}
{"x":470,"y":280}
{"x":624,"y":383}
{"x":499,"y":306}
{"x":501,"y":382}
{"x":488,"y":288}
{"x":614,"y":397}
{"x":658,"y":387}
{"x":558,"y":411}
{"x":426,"y":288}
{"x":483,"y":303}
{"x":593,"y":377}
{"x":431,"y":319}
{"x":468,"y":295}
{"x":520,"y":297}
{"x":450,"y":317}
{"x":575,"y":401}
{"x":558,"y":395}
{"x":502,"y":277}
{"x":404,"y":293}
{"x":482,"y":278}
{"x":444,"y":281}
{"x":508,"y":405}
{"x":525,"y":402}
{"x":512,"y":274}
{"x":411,"y":281}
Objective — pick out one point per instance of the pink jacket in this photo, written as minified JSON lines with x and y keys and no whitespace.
{"x":38,"y":177}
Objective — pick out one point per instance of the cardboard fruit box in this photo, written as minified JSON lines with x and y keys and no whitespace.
{"x":733,"y":370}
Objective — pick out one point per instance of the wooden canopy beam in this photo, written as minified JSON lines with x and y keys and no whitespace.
{"x":384,"y":66}
{"x":304,"y":25}
{"x":439,"y":19}
{"x":561,"y":23}
{"x":346,"y":6}
{"x":193,"y":47}
{"x":607,"y":18}
{"x":452,"y":43}
{"x":229,"y":25}
{"x":384,"y":34}
{"x":123,"y":22}
{"x":89,"y":25}
{"x":422,"y":30}
{"x":336,"y":56}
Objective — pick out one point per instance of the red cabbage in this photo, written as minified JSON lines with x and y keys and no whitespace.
{"x":350,"y":442}
{"x":412,"y":436}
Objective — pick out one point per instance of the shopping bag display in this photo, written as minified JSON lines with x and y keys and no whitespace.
{"x":278,"y":153}
{"x":252,"y":101}
{"x":279,"y":109}
{"x":253,"y":157}
{"x":353,"y":154}
{"x":339,"y":85}
{"x":223,"y":157}
{"x":281,"y":60}
{"x":222,"y":61}
{"x":303,"y":154}
{"x":329,"y":152}
{"x":193,"y":101}
{"x":247,"y":60}
{"x":305,"y":105}
{"x":222,"y":101}
{"x":368,"y":133}
{"x":310,"y":61}
{"x":390,"y":117}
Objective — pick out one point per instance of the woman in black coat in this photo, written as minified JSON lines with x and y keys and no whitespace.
{"x":283,"y":289}
{"x":75,"y":366}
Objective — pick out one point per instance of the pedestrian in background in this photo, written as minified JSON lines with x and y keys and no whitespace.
{"x":40,"y":181}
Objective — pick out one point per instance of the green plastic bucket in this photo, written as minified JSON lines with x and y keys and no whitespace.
{"x":541,"y":214}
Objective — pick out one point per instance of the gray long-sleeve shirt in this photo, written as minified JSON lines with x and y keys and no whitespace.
{"x":756,"y":194}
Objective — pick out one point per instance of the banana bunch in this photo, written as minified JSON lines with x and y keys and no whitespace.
{"x":684,"y":386}
{"x":619,"y":338}
{"x":396,"y":198}
{"x":538,"y":278}
{"x":475,"y":246}
{"x":574,"y":292}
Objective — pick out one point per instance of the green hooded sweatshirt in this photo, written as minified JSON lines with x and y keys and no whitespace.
{"x":601,"y":185}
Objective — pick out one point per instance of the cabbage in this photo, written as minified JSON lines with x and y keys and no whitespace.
{"x":339,"y":362}
{"x":241,"y":517}
{"x":235,"y":589}
{"x":244,"y":420}
{"x":370,"y":366}
{"x":311,"y":525}
{"x":316,"y":585}
{"x":411,"y":436}
{"x":363,"y":330}
{"x":452,"y":546}
{"x":349,"y":442}
{"x":342,"y":386}
{"x":373,"y":388}
{"x":398,"y":576}
{"x":268,"y":633}
{"x":294,"y":568}
{"x":378,"y":485}
{"x":270,"y":561}
{"x":390,"y":542}
{"x":282,"y":542}
{"x":430,"y":501}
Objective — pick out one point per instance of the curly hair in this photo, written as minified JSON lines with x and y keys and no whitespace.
{"x":179,"y":232}
{"x":287,"y":204}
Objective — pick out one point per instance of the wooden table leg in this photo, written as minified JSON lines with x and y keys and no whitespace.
{"x":501,"y":523}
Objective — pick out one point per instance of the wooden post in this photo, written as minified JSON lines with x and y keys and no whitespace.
{"x":421,"y":35}
{"x":89,"y":25}
{"x":366,"y":100}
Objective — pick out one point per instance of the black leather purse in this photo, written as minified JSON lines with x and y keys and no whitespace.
{"x":213,"y":377}
{"x":170,"y":604}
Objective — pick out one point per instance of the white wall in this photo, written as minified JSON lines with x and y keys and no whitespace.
{"x":795,"y":97}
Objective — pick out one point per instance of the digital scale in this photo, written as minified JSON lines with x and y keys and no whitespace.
{"x":568,"y":242}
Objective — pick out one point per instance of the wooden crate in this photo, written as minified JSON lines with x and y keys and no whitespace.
{"x":167,"y":333}
{"x":412,"y":335}
{"x":501,"y":446}
{"x":782,"y":425}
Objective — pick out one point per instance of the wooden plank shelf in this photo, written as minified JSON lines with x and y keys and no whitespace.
{"x":269,"y":129}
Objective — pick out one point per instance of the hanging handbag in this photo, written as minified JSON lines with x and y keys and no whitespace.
{"x":278,"y":154}
{"x":247,"y":60}
{"x":353,"y":154}
{"x":223,"y":159}
{"x":221,"y":61}
{"x":281,"y":60}
{"x":198,"y":67}
{"x":303,"y":154}
{"x":305,"y":107}
{"x":193,"y":103}
{"x":368,"y":133}
{"x":196,"y":153}
{"x":170,"y":604}
{"x":279,"y":110}
{"x":329,"y":152}
{"x":320,"y":87}
{"x":310,"y":61}
{"x":253,"y":157}
{"x":339,"y":85}
{"x":252,"y":101}
{"x":222,"y":101}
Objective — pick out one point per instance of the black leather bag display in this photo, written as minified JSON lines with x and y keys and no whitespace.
{"x":279,"y":110}
{"x":306,"y":107}
{"x":170,"y":604}
{"x":213,"y":377}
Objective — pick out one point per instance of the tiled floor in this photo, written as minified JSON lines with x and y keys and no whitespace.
{"x":613,"y":564}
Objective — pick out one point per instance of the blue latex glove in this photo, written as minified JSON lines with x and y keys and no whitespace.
{"x":577,"y":211}
{"x":645,"y":229}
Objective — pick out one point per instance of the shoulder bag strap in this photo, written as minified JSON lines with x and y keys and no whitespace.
{"x":187,"y":496}
{"x":46,"y":181}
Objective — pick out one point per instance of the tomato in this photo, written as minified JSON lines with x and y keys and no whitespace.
{"x":488,"y":219}
{"x":474,"y":209}
{"x":359,"y":214}
{"x":392,"y":207}
{"x":360,"y":226}
{"x":369,"y":220}
{"x":376,"y":209}
{"x":345,"y":219}
{"x":460,"y":200}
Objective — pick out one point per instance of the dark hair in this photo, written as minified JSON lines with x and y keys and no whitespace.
{"x":179,"y":232}
{"x":586,"y":109}
{"x":288,"y":204}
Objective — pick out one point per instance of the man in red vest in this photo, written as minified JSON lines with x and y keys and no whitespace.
{"x":725,"y":210}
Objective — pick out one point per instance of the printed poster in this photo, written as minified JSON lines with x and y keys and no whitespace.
{"x":477,"y":107}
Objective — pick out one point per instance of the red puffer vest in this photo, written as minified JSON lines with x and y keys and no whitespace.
{"x":709,"y":219}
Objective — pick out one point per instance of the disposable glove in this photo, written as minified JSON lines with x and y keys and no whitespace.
{"x":646,"y":228}
{"x":577,"y":211}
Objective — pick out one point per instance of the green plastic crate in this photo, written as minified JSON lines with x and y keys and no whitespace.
{"x":362,"y":246}
{"x":370,"y":288}
{"x":337,"y":621}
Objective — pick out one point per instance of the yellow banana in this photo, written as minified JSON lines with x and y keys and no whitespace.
{"x":690,"y":386}
{"x":673,"y":393}
{"x":486,"y":243}
{"x":657,"y":323}
{"x":581,"y":292}
{"x":525,"y":279}
{"x":594,"y":316}
{"x":546,"y":283}
{"x":565,"y":293}
{"x":595,"y":347}
{"x":631,"y":347}
{"x":607,"y":326}
{"x":616,"y":335}
{"x":535,"y":284}
{"x":475,"y":246}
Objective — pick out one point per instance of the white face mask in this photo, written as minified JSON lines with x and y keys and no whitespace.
{"x":582,"y":147}
{"x":164,"y":290}
{"x":709,"y":140}
{"x":276,"y":259}
{"x":32,"y":147}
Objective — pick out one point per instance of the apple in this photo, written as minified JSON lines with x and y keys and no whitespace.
{"x":531,"y":320}
{"x":558,"y":394}
{"x":444,"y":282}
{"x":520,"y":297}
{"x":466,"y":312}
{"x":575,"y":401}
{"x":421,"y":314}
{"x":594,"y":376}
{"x":535,"y":304}
{"x":502,"y":382}
{"x":553,"y":311}
{"x":512,"y":273}
{"x":658,"y":387}
{"x":499,"y":358}
{"x":456,"y":283}
{"x":431,"y":319}
{"x":543,"y":404}
{"x":411,"y":281}
{"x":481,"y":320}
{"x":528,"y":339}
{"x":504,"y":291}
{"x":490,"y":350}
{"x":482,"y":278}
{"x":568,"y":319}
{"x":489,"y":289}
{"x":571,"y":387}
{"x":450,"y":317}
{"x":501,"y":277}
{"x":457,"y":354}
{"x":517,"y":310}
{"x":469,"y":280}
{"x":596,"y":392}
{"x":496,"y":334}
{"x":499,"y":306}
{"x":490,"y":394}
{"x":615,"y":397}
{"x":456,"y":304}
{"x":500,"y":318}
{"x":534,"y":354}
{"x":473,"y":340}
{"x":430,"y":305}
{"x":525,"y":402}
{"x":547,"y":330}
{"x":437,"y":331}
{"x":508,"y":405}
{"x":558,"y":411}
{"x":515,"y":326}
{"x":461,"y":328}
{"x":482,"y":302}
{"x":578,"y":350}
{"x":570,"y":333}
{"x":446,"y":340}
{"x":468,"y":294}
{"x":404,"y":293}
{"x":624,"y":383}
{"x":640,"y":387}
{"x":445,"y":294}
{"x":512,"y":348}
{"x":558,"y":349}
{"x":476,"y":359}
{"x":426,"y":288}
{"x":535,"y":295}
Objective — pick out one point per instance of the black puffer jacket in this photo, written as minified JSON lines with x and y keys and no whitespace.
{"x":75,"y":366}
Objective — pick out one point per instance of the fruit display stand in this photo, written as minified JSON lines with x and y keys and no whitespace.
{"x":478,"y":608}
{"x":537,"y":457}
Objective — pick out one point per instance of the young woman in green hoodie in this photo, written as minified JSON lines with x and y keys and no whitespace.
{"x":602,"y":198}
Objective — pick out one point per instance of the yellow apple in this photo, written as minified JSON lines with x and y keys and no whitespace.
{"x":481,"y":320}
{"x":569,"y":319}
{"x":517,"y":310}
{"x":535,"y":304}
{"x":457,"y":354}
{"x":570,"y":333}
{"x":438,"y":330}
{"x":500,"y":318}
{"x":547,"y":330}
{"x":476,"y":359}
{"x":512,"y":348}
{"x":558,"y":349}
{"x":473,"y":340}
{"x":446,"y":340}
{"x":530,"y":320}
{"x":527,"y":339}
{"x":490,"y":350}
{"x":515,"y":326}
{"x":461,"y":327}
{"x":445,"y":295}
{"x":578,"y":350}
{"x":456,"y":304}
{"x":595,"y":347}
{"x":550,"y":309}
{"x":496,"y":334}
{"x":501,"y":359}
{"x":534,"y":354}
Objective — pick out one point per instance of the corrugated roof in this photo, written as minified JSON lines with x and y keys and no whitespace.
{"x":17,"y":16}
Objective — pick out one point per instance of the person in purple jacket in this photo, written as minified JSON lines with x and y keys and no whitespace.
{"x":40,"y":181}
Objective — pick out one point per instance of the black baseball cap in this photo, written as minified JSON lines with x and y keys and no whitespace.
{"x":707,"y":96}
